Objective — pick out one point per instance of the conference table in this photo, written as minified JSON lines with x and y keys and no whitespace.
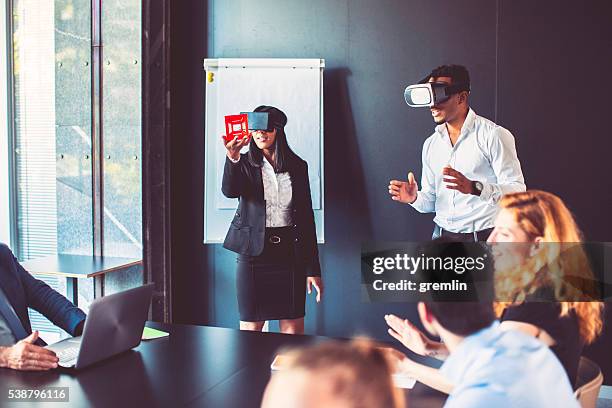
{"x":196,"y":366}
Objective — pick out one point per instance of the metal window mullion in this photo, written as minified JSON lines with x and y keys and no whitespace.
{"x":12,"y":160}
{"x":97,"y":151}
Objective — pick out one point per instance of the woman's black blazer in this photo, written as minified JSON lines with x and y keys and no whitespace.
{"x":246,"y":233}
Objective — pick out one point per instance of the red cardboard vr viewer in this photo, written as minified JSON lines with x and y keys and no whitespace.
{"x":236,"y":126}
{"x":242,"y":125}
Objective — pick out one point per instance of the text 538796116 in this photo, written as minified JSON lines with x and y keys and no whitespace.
{"x":50,"y":394}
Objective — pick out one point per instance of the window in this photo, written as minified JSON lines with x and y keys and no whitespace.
{"x":58,"y":75}
{"x":121,"y":90}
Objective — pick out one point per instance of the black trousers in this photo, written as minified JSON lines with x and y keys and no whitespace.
{"x":477,"y":236}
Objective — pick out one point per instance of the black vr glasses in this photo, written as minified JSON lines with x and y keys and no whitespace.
{"x":431,"y":93}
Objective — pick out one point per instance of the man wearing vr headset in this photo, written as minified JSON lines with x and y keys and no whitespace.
{"x":469,"y":162}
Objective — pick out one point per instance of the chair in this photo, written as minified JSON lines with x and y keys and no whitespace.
{"x":588,"y":383}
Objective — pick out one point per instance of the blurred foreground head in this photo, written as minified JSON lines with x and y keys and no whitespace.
{"x":334,"y":374}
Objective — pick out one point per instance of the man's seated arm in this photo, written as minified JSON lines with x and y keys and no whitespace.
{"x":55,"y":307}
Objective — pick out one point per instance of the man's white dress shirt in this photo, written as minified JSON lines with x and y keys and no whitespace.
{"x":483,"y":152}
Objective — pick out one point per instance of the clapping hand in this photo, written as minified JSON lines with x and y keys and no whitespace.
{"x":411,"y":337}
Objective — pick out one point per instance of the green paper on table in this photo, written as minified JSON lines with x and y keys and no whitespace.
{"x":151,"y":334}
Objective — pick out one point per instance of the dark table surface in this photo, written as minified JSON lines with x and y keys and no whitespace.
{"x":196,"y":366}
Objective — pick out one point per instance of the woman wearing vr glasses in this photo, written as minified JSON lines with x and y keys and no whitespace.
{"x":273,"y":230}
{"x":469,"y":162}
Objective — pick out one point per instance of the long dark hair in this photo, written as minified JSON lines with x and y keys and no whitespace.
{"x":285,"y":157}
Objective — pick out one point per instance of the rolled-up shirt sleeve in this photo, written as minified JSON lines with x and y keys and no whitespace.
{"x":426,"y":196}
{"x":506,"y":166}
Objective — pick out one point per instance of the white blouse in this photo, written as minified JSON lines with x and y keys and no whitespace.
{"x":278,"y":194}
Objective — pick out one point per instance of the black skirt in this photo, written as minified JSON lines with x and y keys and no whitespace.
{"x":272,"y":286}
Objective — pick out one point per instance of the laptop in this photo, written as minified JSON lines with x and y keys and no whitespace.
{"x":114,"y":325}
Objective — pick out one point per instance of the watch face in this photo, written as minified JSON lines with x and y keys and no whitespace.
{"x":478,"y":186}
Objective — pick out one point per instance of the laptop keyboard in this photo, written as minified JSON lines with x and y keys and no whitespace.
{"x":67,"y":354}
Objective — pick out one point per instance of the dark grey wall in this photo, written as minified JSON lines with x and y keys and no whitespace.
{"x":189,"y":276}
{"x":528,"y":63}
{"x":554,"y":59}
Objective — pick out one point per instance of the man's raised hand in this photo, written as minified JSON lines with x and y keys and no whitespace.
{"x":404,"y":191}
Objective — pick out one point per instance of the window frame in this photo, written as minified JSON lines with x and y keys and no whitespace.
{"x":155,"y":136}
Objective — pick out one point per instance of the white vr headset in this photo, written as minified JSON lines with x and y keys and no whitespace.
{"x":427,"y":94}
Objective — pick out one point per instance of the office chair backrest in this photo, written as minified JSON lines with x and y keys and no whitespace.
{"x":588,"y":383}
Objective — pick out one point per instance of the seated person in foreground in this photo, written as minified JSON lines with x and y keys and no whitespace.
{"x":334,"y":374}
{"x":20,"y":348}
{"x":490,"y":367}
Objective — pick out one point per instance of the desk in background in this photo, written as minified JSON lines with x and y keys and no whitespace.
{"x":75,"y":267}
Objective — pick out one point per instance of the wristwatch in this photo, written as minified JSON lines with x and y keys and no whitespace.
{"x":477,"y":188}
